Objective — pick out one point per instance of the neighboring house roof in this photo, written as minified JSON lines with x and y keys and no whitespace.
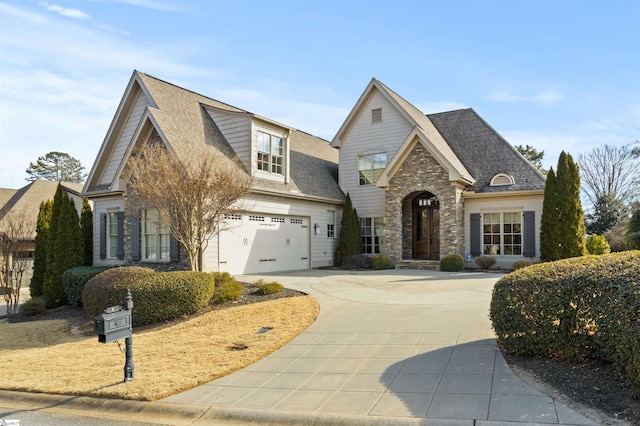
{"x":484,"y":152}
{"x":28,"y":198}
{"x":181,"y":119}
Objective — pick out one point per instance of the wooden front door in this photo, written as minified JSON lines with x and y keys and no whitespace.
{"x":426,"y":232}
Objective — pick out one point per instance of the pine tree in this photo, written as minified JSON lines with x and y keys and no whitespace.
{"x":633,"y":232}
{"x":350,"y":239}
{"x":86,"y":224}
{"x":571,"y":229}
{"x":549,"y":236}
{"x":40,"y":252}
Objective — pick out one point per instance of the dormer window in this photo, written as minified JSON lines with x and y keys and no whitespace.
{"x":270,"y":153}
{"x":376,"y":115}
{"x":502,"y":179}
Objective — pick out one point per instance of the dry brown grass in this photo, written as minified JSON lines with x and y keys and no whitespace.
{"x":45,"y":356}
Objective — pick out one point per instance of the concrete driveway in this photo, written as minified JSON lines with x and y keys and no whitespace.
{"x":389,"y":347}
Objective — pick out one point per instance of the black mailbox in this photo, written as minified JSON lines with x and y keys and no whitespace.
{"x":114,"y":324}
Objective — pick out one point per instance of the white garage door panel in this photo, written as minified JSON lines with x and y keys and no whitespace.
{"x":265,"y":243}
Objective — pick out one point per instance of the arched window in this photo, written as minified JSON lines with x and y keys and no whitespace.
{"x":502,"y":179}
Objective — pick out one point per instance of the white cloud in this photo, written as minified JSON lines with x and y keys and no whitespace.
{"x":65,"y":11}
{"x":547,"y":96}
{"x":19,"y":13}
{"x":154,"y":4}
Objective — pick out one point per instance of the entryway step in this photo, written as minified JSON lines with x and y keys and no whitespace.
{"x":418,"y":264}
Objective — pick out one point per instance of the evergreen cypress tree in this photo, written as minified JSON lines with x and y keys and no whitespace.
{"x":40,"y":252}
{"x":633,"y":232}
{"x":49,"y":284}
{"x":350,"y":239}
{"x":86,"y":224}
{"x":67,"y":246}
{"x":549,"y":237}
{"x":571,"y":229}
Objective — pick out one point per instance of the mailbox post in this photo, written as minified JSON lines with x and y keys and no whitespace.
{"x":114,"y":324}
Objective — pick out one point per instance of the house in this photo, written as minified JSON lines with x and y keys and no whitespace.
{"x":292,"y":210}
{"x":26,"y":201}
{"x":424,"y":185}
{"x":430,"y":185}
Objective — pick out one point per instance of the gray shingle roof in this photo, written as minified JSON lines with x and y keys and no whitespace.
{"x":484,"y":152}
{"x":192,"y":133}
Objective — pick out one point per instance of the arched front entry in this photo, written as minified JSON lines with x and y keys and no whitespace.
{"x":426,"y":226}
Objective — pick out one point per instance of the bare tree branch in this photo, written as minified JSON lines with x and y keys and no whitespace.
{"x":16,"y":244}
{"x":191,"y":198}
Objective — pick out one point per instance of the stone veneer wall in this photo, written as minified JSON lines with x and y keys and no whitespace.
{"x":419,"y":173}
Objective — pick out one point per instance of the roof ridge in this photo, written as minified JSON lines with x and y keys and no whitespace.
{"x":192,"y":92}
{"x":450,"y":111}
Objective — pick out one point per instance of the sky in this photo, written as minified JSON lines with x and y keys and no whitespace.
{"x":554,"y":74}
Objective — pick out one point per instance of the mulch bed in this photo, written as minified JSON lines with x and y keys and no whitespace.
{"x":591,"y":384}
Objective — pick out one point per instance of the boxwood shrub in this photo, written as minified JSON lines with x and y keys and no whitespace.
{"x":156,"y":296}
{"x":485,"y":262}
{"x":381,"y":261}
{"x":265,"y":288}
{"x":452,"y":263}
{"x":585,"y":307}
{"x":74,"y":280}
{"x":227,"y":288}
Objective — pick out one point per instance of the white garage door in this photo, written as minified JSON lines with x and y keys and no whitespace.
{"x":264,"y":243}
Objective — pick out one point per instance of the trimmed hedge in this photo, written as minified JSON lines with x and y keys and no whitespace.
{"x":585,"y":307}
{"x":381,"y":261}
{"x":452,"y":263}
{"x":74,"y":280}
{"x":485,"y":262}
{"x":519,"y":264}
{"x":156,"y":296}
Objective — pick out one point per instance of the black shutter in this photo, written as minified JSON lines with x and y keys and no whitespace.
{"x":103,"y":235}
{"x":120,"y":249}
{"x":174,"y":249}
{"x":475,"y":236}
{"x":135,"y":238}
{"x":529,"y":234}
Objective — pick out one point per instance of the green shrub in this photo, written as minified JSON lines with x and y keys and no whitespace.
{"x":452,"y":263}
{"x":381,"y":261}
{"x":227,"y":288}
{"x":265,"y":288}
{"x":597,"y":244}
{"x":519,"y":264}
{"x":33,"y":306}
{"x":575,"y":308}
{"x":156,"y":296}
{"x":74,"y":280}
{"x":485,"y":262}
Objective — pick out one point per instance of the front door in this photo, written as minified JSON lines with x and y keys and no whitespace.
{"x":426,"y":232}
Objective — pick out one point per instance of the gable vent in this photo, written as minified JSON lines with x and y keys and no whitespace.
{"x":502,"y":179}
{"x":376,"y":115}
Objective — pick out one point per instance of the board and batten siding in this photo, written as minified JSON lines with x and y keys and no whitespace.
{"x":236,"y":129}
{"x":322,"y":248}
{"x":503,"y":205}
{"x":104,"y":205}
{"x":125,"y":138}
{"x":365,"y":137}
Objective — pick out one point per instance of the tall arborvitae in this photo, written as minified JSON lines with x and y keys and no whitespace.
{"x":67,"y":245}
{"x":350,"y":239}
{"x":572,"y":229}
{"x":562,"y":228}
{"x":40,"y":252}
{"x":49,"y":283}
{"x":86,"y":224}
{"x":549,"y":238}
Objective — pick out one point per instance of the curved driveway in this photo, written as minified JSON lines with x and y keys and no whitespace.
{"x":389,"y":347}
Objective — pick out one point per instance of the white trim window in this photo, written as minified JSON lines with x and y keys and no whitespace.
{"x":370,"y":167}
{"x":112,"y":235}
{"x":270,"y":153}
{"x":331,"y":224}
{"x":155,"y":237}
{"x":373,"y":235}
{"x":502,"y":234}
